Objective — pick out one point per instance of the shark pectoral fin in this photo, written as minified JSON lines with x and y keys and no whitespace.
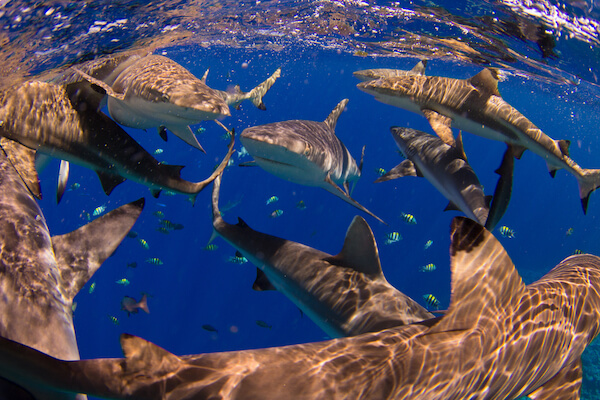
{"x":441,"y":125}
{"x":565,"y":385}
{"x":81,"y":252}
{"x":482,"y":274}
{"x":155,"y":193}
{"x":109,"y":181}
{"x":262,"y":283}
{"x":460,"y":147}
{"x":419,"y":69}
{"x":331,"y":120}
{"x":360,"y":250}
{"x":162,"y":132}
{"x":23,"y":160}
{"x":331,"y":187}
{"x":185,"y":133}
{"x":109,"y":90}
{"x":451,"y":207}
{"x":141,"y":355}
{"x":405,"y":168}
{"x":486,"y":81}
{"x":63,"y":178}
{"x":518,"y":151}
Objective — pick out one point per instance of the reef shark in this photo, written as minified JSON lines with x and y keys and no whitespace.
{"x":475,"y":105}
{"x":445,"y":167}
{"x":40,"y":275}
{"x":498,"y":340}
{"x":153,"y":91}
{"x":306,"y":152}
{"x":345,"y":294}
{"x":376,"y":73}
{"x":60,"y":122}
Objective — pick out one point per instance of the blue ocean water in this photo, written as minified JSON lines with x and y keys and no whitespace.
{"x":196,"y":287}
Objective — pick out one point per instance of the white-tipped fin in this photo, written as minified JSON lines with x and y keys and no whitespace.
{"x":63,"y":178}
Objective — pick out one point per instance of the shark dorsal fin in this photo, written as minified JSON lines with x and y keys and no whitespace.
{"x":141,"y":355}
{"x":23,"y":161}
{"x":241,"y":223}
{"x":487,"y":81}
{"x":419,"y":69}
{"x":360,"y":249}
{"x":81,"y":252}
{"x":331,"y":120}
{"x":203,"y":79}
{"x":485,"y":283}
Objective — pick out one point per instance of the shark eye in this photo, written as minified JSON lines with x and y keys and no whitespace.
{"x":307,"y":149}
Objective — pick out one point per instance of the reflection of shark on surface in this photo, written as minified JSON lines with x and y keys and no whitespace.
{"x":475,"y":105}
{"x":345,"y":294}
{"x":444,"y":166}
{"x":153,"y":91}
{"x":306,"y":152}
{"x":498,"y":340}
{"x":40,"y":275}
{"x":61,"y":123}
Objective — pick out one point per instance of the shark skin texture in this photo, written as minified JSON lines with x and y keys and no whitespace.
{"x":476,"y":106}
{"x":376,"y":73}
{"x":498,"y":340}
{"x":60,"y":122}
{"x":40,"y":275}
{"x":444,"y":167}
{"x":346,"y":294}
{"x":306,"y":152}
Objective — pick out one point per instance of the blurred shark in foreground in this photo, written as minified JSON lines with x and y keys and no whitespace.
{"x":498,"y":340}
{"x":345,"y":295}
{"x":40,"y":275}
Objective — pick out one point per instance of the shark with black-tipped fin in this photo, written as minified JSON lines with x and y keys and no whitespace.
{"x":153,"y":91}
{"x":40,"y":275}
{"x":444,"y":166}
{"x":498,"y":340}
{"x":475,"y":105}
{"x":306,"y":152}
{"x":345,"y":294}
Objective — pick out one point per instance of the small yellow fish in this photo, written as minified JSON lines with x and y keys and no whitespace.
{"x":123,"y":282}
{"x":159,"y":214}
{"x":427,"y":268}
{"x":211,"y":247}
{"x":168,"y":193}
{"x":392,"y":237}
{"x":300,"y":205}
{"x":380,"y":171}
{"x":569,"y":232}
{"x":163,"y":230}
{"x":144,"y":244}
{"x":506,"y":232}
{"x":158,"y":151}
{"x":408,"y":218}
{"x":154,"y":261}
{"x":200,"y":130}
{"x":428,"y":244}
{"x":114,"y":320}
{"x":99,"y":210}
{"x":431,"y":300}
{"x":165,"y":223}
{"x":277,"y":213}
{"x":272,"y":199}
{"x":577,"y":251}
{"x":92,"y":288}
{"x":238,"y":258}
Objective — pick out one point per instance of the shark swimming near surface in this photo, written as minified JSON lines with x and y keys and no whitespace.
{"x":345,"y":294}
{"x":40,"y":275}
{"x":499,"y":339}
{"x":476,"y":106}
{"x":60,"y":122}
{"x":306,"y":152}
{"x":152,"y":91}
{"x":376,"y":73}
{"x":444,"y":166}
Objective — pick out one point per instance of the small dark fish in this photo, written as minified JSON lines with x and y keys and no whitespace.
{"x":209,"y":328}
{"x":132,"y":306}
{"x":163,"y":230}
{"x":263,"y":324}
{"x":132,"y":265}
{"x":132,"y":234}
{"x":300,"y":205}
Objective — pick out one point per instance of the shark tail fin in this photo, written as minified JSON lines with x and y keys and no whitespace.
{"x":331,"y":120}
{"x":141,"y":355}
{"x":255,"y":95}
{"x":589,"y":180}
{"x":81,"y":252}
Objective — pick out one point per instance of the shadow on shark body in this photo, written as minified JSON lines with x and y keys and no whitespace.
{"x":498,"y":340}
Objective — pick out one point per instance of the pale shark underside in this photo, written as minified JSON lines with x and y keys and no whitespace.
{"x":498,"y":340}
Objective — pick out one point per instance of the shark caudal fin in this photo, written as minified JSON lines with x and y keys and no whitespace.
{"x":80,"y":253}
{"x":589,"y":180}
{"x":255,"y":95}
{"x":485,"y":283}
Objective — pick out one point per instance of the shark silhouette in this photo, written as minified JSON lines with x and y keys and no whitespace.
{"x":60,"y":122}
{"x":475,"y":105}
{"x":40,"y":275}
{"x":306,"y":152}
{"x":345,"y":294}
{"x":498,"y":340}
{"x":444,"y":166}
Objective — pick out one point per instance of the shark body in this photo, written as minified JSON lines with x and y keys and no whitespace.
{"x":59,"y":122}
{"x":40,"y":275}
{"x":152,"y":91}
{"x":306,"y":152}
{"x":376,"y":73}
{"x":498,"y":340}
{"x":345,"y":295}
{"x":444,"y":166}
{"x":475,"y":105}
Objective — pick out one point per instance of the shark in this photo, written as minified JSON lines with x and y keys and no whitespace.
{"x":499,"y":339}
{"x":503,"y":190}
{"x":40,"y":275}
{"x":377,"y":73}
{"x":476,"y":106}
{"x":444,"y":166}
{"x":153,"y":91}
{"x":345,"y":295}
{"x":62,"y":122}
{"x":306,"y":152}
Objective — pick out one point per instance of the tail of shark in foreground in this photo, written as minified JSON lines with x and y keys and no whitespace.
{"x":499,"y":339}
